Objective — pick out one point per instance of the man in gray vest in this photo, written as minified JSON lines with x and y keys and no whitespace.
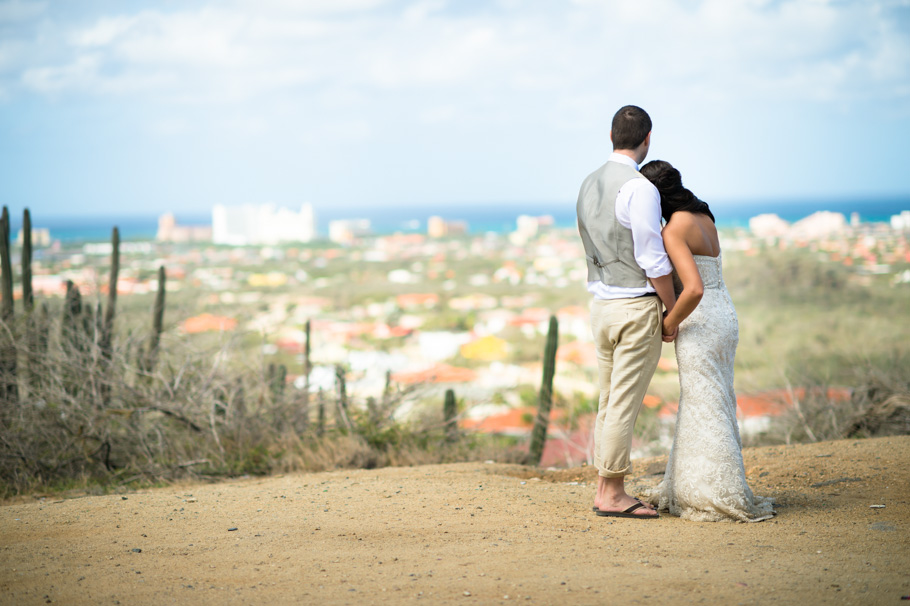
{"x":629,"y":276}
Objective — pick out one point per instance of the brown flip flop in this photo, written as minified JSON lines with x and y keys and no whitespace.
{"x":626,"y":513}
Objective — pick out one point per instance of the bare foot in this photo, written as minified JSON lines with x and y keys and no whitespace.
{"x":611,"y":496}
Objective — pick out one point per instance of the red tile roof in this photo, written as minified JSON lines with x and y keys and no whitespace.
{"x":583,"y":354}
{"x":208,"y":322}
{"x":440,"y":373}
{"x":766,"y":404}
{"x":515,"y":420}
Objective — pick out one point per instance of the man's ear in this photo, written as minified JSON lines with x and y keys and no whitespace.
{"x":611,"y":136}
{"x":648,"y":139}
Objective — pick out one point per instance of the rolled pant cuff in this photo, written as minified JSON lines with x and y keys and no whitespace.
{"x":606,"y":473}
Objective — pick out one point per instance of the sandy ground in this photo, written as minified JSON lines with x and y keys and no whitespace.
{"x":472,"y":533}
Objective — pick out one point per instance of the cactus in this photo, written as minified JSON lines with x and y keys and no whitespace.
{"x":9,"y":390}
{"x":341,"y":384}
{"x":239,"y":403}
{"x":71,"y":320}
{"x":28,"y":303}
{"x":103,"y":382}
{"x":73,"y":339}
{"x":387,"y":390}
{"x":28,"y":298}
{"x":157,"y":321}
{"x":373,"y":411}
{"x":449,"y":412}
{"x":88,"y":327}
{"x":38,"y":346}
{"x":277,"y":376}
{"x":342,"y":408}
{"x":107,"y":328}
{"x":320,"y":419}
{"x":539,"y":433}
{"x":6,"y":280}
{"x":98,"y":324}
{"x":281,"y":379}
{"x":304,"y":413}
{"x":307,"y":367}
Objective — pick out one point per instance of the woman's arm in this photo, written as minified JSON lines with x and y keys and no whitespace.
{"x":664,"y":287}
{"x":675,"y":242}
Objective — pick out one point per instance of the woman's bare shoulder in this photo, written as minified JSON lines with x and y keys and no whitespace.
{"x":679,"y":221}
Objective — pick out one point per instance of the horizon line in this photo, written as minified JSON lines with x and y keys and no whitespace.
{"x":490,"y":206}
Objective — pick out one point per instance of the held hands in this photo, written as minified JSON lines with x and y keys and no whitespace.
{"x":669,"y":331}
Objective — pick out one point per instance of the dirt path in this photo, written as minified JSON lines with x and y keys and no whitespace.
{"x":471,"y":533}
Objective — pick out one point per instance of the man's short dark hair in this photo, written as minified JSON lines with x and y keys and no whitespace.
{"x":631,"y":125}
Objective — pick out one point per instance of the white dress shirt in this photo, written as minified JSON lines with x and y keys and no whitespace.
{"x":638,"y":208}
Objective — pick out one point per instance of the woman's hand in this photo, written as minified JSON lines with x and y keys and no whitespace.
{"x":669,"y":330}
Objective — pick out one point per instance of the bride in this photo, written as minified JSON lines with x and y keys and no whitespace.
{"x":705,"y":480}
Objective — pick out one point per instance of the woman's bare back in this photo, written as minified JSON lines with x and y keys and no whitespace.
{"x":698,"y":231}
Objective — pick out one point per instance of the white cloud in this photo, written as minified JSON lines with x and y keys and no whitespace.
{"x":104,"y":32}
{"x":438,"y":114}
{"x":292,"y":8}
{"x":724,"y":49}
{"x":169,"y":127}
{"x":77,"y":74}
{"x":20,"y":10}
{"x":514,"y":87}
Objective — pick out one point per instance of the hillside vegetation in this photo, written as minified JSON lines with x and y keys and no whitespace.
{"x":102,"y":395}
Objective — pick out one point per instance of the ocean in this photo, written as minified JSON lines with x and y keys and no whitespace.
{"x":493,"y":217}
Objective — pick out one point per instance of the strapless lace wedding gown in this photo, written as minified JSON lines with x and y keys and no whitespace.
{"x":705,"y":480}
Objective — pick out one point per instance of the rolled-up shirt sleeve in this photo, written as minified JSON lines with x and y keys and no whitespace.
{"x":644,"y":220}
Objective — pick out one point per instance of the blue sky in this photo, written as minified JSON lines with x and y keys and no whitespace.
{"x":128,"y":107}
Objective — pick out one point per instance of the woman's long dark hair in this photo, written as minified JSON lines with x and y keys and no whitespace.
{"x":673,"y":196}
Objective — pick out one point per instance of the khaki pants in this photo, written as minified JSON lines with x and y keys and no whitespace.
{"x":628,"y":339}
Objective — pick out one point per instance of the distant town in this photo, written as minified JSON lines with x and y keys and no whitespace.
{"x":439,"y":309}
{"x":268,"y":224}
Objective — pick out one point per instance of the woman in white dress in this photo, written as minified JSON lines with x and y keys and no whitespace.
{"x":705,"y":479}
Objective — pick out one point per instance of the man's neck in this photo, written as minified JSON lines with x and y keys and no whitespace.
{"x":631,"y":153}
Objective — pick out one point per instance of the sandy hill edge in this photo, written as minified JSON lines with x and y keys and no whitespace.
{"x":472,"y":533}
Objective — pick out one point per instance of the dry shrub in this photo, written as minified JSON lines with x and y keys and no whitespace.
{"x":882,"y":399}
{"x":870,"y":401}
{"x":83,"y":419}
{"x":890,"y":417}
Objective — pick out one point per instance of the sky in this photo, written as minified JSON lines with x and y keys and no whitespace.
{"x":117,"y":107}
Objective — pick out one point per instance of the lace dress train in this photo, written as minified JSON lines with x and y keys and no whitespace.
{"x":705,"y":480}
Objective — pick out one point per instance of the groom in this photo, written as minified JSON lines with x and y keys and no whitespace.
{"x":629,"y":276}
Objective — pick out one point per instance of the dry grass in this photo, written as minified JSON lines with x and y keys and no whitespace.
{"x":83,"y":420}
{"x":209,"y":409}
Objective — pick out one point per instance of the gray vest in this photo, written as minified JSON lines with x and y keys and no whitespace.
{"x":608,"y":245}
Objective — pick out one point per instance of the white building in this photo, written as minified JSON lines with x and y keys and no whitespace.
{"x":262,"y":224}
{"x":41,"y":236}
{"x":170,"y":231}
{"x":819,"y":225}
{"x":901,"y":222}
{"x":437,"y":227}
{"x":768,"y":226}
{"x":527,"y":227}
{"x":346,"y":231}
